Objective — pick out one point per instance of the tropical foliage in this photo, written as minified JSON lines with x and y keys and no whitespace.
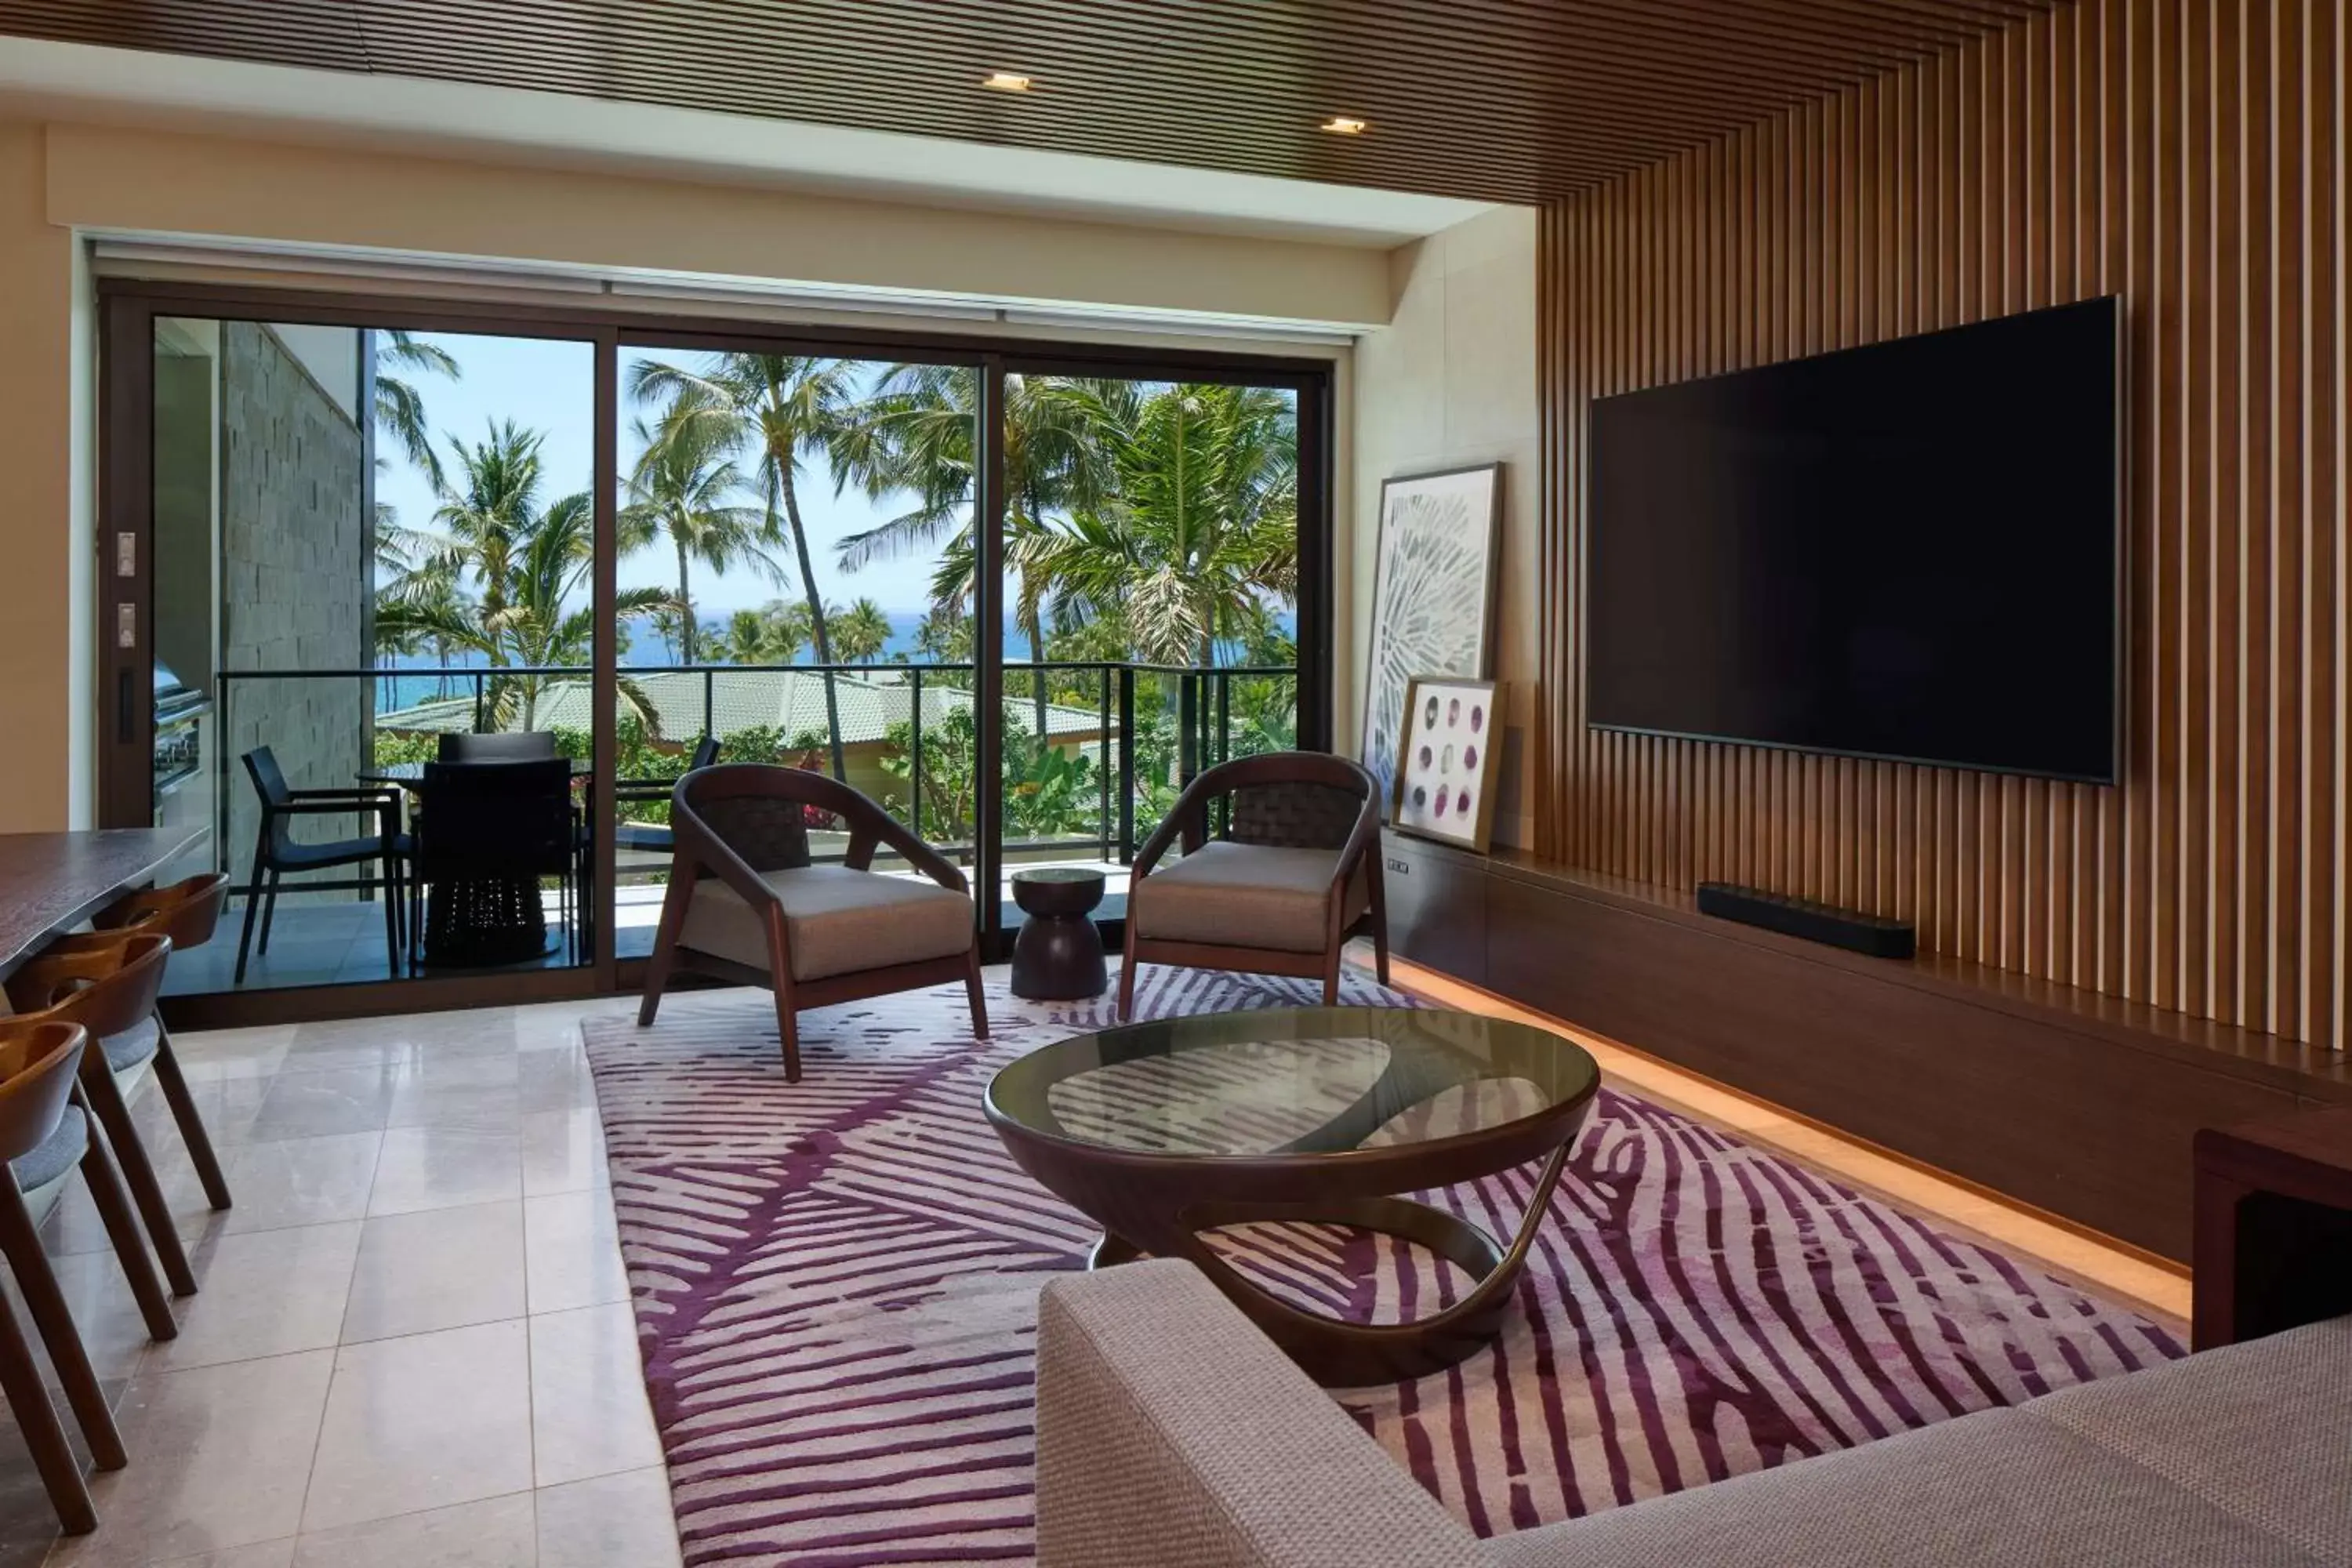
{"x":1146,"y":522}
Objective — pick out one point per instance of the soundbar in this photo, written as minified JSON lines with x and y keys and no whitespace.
{"x":1849,"y":929}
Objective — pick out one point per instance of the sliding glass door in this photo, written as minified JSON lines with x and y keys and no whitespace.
{"x":1018,"y":600}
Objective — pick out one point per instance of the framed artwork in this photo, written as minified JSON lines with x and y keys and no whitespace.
{"x":1445,"y":766}
{"x":1432,"y":597}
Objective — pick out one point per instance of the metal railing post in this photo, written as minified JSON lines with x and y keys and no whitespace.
{"x":1127,"y":764}
{"x":478,"y":690}
{"x":1102,"y":759}
{"x":915,"y":761}
{"x":1224,"y":716}
{"x":710,"y":717}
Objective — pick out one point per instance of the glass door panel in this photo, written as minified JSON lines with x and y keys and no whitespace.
{"x":368,"y":545}
{"x":1151,"y":573}
{"x":795,"y":586}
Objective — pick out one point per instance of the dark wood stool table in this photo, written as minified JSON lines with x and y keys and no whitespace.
{"x":1058,"y":956}
{"x":2274,"y":1248}
{"x":1164,"y":1131}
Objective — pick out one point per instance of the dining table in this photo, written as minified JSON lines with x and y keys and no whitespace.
{"x":477,"y":923}
{"x":51,"y":882}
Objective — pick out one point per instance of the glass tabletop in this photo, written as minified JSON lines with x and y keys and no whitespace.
{"x":1292,"y":1080}
{"x":411,"y":774}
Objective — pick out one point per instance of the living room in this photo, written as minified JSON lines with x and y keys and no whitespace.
{"x":1568,"y":790}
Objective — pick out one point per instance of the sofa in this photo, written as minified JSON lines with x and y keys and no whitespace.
{"x":1171,"y":1434}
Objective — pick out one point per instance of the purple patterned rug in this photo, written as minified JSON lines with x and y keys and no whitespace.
{"x":835,"y":1285}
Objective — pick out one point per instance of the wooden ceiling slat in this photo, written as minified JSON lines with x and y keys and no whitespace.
{"x":1495,"y":100}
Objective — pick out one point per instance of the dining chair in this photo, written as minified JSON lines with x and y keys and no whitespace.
{"x":188,"y":913}
{"x":109,"y":989}
{"x":498,"y":828}
{"x":746,"y":904}
{"x":505,"y":746}
{"x":1291,"y":869}
{"x":40,"y":1119}
{"x":276,"y":850}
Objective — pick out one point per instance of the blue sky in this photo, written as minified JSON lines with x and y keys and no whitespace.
{"x":547,"y":387}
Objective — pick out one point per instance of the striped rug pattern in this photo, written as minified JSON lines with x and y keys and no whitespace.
{"x":835,"y":1285}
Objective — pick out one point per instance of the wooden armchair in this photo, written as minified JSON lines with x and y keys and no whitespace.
{"x":1293,"y":870}
{"x":746,"y":904}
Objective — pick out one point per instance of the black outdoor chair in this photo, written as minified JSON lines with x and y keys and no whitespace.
{"x":657,"y":837}
{"x":276,"y":850}
{"x":495,"y":829}
{"x":511,"y":746}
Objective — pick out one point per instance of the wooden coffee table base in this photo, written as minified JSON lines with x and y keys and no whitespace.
{"x":1336,"y":1353}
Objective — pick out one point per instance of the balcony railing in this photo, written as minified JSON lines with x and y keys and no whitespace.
{"x":1121,"y":737}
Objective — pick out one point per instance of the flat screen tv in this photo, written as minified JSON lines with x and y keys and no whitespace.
{"x":1908,"y":551}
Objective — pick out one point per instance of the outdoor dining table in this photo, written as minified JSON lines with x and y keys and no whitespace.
{"x":475,"y":922}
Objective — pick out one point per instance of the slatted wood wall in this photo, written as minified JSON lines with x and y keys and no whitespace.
{"x":2190,"y":157}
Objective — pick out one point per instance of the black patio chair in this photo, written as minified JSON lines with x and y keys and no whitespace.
{"x":657,"y":837}
{"x":497,"y":828}
{"x":276,"y":850}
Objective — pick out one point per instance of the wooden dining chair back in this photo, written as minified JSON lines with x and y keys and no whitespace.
{"x":109,"y":989}
{"x":187,"y":913}
{"x":1281,"y":864}
{"x":39,"y":1061}
{"x":747,"y":902}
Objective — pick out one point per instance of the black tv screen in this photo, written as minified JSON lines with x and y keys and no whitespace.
{"x":1906,"y":551}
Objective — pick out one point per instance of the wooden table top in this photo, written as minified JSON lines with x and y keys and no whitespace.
{"x":50,"y":881}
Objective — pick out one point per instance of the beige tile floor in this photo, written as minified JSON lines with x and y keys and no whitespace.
{"x":412,"y":1345}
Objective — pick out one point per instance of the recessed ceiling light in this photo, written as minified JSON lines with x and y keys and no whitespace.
{"x":1346,"y":125}
{"x":1005,"y":81}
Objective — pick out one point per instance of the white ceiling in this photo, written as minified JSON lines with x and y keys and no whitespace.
{"x":76,"y":81}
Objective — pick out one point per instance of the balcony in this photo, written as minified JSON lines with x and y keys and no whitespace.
{"x":1119,"y":739}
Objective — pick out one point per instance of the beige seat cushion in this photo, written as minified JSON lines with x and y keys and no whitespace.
{"x":1241,"y":895}
{"x":836,"y":920}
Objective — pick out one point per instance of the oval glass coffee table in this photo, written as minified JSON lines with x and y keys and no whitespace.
{"x":1163,"y":1130}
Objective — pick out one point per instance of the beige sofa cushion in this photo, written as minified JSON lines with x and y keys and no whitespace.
{"x":837,"y":921}
{"x":1241,"y":895}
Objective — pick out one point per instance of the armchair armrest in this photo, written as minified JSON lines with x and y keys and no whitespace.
{"x":880,"y":825}
{"x":1171,"y":1434}
{"x":384,"y":809}
{"x":1192,"y":806}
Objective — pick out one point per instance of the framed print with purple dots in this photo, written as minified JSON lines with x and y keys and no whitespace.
{"x":1446,"y":768}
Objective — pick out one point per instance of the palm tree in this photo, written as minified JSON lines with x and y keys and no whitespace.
{"x":399,"y":406}
{"x":861,"y":632}
{"x":530,"y":566}
{"x":773,"y":634}
{"x":915,"y":435}
{"x":1200,"y":529}
{"x":680,"y":487}
{"x":793,"y":406}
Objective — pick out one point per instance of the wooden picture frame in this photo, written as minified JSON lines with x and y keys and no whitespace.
{"x":1452,"y":734}
{"x":1435,"y":584}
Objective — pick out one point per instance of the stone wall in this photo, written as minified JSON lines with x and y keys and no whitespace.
{"x":295,"y":577}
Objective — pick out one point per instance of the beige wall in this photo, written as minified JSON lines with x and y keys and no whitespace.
{"x":44,"y":445}
{"x":1451,"y":382}
{"x":122,"y":180}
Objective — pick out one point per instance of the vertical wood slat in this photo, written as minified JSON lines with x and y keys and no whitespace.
{"x":2189,"y":155}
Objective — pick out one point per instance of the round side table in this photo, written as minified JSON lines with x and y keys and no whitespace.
{"x":1058,"y":956}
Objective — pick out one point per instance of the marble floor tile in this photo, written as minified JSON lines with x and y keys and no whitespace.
{"x":572,"y":1245}
{"x":266,"y":1293}
{"x":436,"y":1269}
{"x":300,"y":1180}
{"x":321,"y":1104}
{"x":563,"y":1151}
{"x":222,"y":1458}
{"x":424,"y":1421}
{"x":216,"y":1054}
{"x":589,"y":1412}
{"x":444,"y":1167}
{"x":499,"y":1532}
{"x":622,"y":1520}
{"x":478,"y":1107}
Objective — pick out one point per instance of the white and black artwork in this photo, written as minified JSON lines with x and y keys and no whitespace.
{"x":1432,"y":597}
